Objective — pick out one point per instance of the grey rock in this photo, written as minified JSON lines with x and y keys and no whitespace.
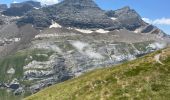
{"x":14,"y":85}
{"x":36,"y":17}
{"x":128,"y":18}
{"x":3,"y":7}
{"x":148,"y":28}
{"x":19,"y":9}
{"x":74,"y":13}
{"x":31,"y":3}
{"x":19,"y":91}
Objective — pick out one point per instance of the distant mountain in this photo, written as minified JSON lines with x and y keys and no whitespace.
{"x":131,"y":20}
{"x":31,"y":3}
{"x":19,"y":9}
{"x":72,"y":13}
{"x":3,"y":7}
{"x":86,"y":14}
{"x":128,"y":18}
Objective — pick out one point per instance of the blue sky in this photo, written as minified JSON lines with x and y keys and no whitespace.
{"x":156,"y":12}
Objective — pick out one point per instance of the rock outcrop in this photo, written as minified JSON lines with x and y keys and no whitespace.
{"x":3,"y":7}
{"x":74,"y":13}
{"x":19,"y":9}
{"x":58,"y":42}
{"x":31,"y":3}
{"x":128,"y":18}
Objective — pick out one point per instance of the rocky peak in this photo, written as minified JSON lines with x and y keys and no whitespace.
{"x":74,"y":13}
{"x":128,"y":17}
{"x":82,"y":3}
{"x":125,"y":9}
{"x":31,"y":3}
{"x":19,"y":9}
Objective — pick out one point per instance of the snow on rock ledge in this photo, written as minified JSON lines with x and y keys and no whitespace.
{"x":102,"y":31}
{"x":55,"y":25}
{"x":84,"y":30}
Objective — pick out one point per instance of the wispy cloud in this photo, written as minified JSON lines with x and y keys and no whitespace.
{"x":161,"y":21}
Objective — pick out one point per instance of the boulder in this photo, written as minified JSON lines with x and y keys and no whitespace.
{"x":14,"y":85}
{"x":19,"y":91}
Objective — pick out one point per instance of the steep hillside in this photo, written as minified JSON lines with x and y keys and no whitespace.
{"x":43,"y":46}
{"x":142,"y":79}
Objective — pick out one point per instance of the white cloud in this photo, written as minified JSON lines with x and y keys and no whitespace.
{"x":48,"y":2}
{"x":14,"y":1}
{"x":161,"y":21}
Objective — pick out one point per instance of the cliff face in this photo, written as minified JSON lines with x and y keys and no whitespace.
{"x":31,"y":3}
{"x":75,"y":13}
{"x":128,"y":18}
{"x":137,"y":79}
{"x":19,"y":9}
{"x":3,"y":7}
{"x":61,"y":41}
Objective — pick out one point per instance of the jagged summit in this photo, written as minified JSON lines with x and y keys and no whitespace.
{"x":83,"y":3}
{"x":31,"y":3}
{"x":19,"y":9}
{"x":128,"y":17}
{"x":3,"y":7}
{"x":74,"y":13}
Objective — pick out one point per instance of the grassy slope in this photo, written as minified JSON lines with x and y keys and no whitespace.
{"x":17,"y":61}
{"x":141,"y":79}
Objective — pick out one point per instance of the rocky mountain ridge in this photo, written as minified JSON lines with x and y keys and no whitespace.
{"x":49,"y":45}
{"x":19,"y":9}
{"x":3,"y":7}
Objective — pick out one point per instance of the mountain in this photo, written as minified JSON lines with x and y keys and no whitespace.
{"x":72,"y":13}
{"x":19,"y":9}
{"x":129,"y":18}
{"x":3,"y":7}
{"x":144,"y":78}
{"x":31,"y":3}
{"x":48,"y":45}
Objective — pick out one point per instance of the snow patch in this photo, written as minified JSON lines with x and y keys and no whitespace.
{"x":36,"y":8}
{"x":102,"y":31}
{"x":113,"y":18}
{"x":55,"y":25}
{"x":84,"y":31}
{"x":11,"y":71}
{"x":46,"y":35}
{"x":137,"y":30}
{"x":16,"y":39}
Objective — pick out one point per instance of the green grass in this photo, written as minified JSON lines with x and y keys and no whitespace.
{"x":141,"y":79}
{"x":4,"y":95}
{"x":141,"y":46}
{"x":17,"y":61}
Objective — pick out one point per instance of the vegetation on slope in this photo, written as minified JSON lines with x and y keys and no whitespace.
{"x":17,"y":62}
{"x":141,"y":79}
